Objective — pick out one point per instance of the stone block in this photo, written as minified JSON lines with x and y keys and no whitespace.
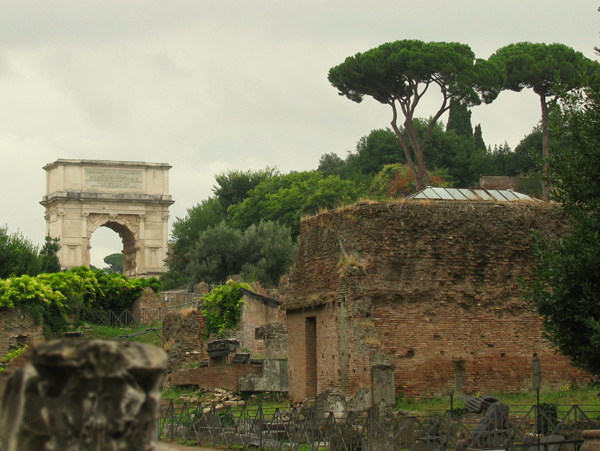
{"x":79,"y":394}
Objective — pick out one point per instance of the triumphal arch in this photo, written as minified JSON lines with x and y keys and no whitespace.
{"x":131,"y":198}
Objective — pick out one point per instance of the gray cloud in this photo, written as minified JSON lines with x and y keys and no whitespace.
{"x":208,"y":86}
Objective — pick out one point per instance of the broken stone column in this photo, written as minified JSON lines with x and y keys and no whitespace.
{"x":383,"y":384}
{"x":84,"y":395}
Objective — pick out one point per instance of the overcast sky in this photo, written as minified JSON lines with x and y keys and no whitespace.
{"x":208,"y":86}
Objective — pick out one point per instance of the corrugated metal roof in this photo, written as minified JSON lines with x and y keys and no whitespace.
{"x":503,"y":195}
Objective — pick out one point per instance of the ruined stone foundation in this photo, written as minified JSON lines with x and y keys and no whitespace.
{"x":84,"y":395}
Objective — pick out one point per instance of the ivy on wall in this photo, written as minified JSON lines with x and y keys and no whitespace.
{"x":222,"y":308}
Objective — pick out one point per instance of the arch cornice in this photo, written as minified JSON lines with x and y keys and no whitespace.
{"x":73,"y":196}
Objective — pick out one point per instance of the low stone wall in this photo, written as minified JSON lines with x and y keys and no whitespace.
{"x":18,"y":326}
{"x":274,"y":377}
{"x":592,"y":440}
{"x":210,"y":378}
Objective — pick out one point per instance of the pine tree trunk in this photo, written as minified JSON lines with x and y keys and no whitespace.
{"x":545,"y":147}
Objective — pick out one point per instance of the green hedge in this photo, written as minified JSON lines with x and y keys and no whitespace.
{"x":59,"y":297}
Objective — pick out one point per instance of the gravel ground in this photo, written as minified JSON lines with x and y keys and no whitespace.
{"x":177,"y":447}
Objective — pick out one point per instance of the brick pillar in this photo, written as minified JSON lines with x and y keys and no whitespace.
{"x":311,"y":355}
{"x":201,"y":344}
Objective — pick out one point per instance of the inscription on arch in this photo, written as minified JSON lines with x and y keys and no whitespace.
{"x":114,"y":178}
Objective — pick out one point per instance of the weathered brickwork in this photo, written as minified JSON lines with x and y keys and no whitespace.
{"x":16,"y":325}
{"x":183,"y":337}
{"x":257,"y":310}
{"x":209,"y":378}
{"x":327,"y":359}
{"x":148,"y":306}
{"x":492,"y":351}
{"x":432,"y":288}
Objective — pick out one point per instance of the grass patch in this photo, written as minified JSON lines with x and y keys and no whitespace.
{"x":567,"y":396}
{"x":269,"y":401}
{"x":109,"y":333}
{"x":174,"y":392}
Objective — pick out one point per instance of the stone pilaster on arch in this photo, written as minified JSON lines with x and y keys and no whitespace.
{"x":131,"y":198}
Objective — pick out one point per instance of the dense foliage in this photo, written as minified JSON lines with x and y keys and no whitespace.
{"x":55,"y":297}
{"x":567,"y":290}
{"x":286,"y":198}
{"x":114,"y":262}
{"x":202,"y":216}
{"x":262,"y":252}
{"x":208,"y":244}
{"x":48,"y":257}
{"x":18,"y":255}
{"x":222,"y":308}
{"x":399,"y":74}
{"x":255,"y":237}
{"x":542,"y":68}
{"x":233,"y":186}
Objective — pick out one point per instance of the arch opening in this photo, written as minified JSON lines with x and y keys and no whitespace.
{"x":105,"y":242}
{"x":126,"y":226}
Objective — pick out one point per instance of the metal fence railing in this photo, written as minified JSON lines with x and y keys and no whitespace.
{"x":352,"y":431}
{"x":172,"y":301}
{"x":113,"y":318}
{"x":179,"y":297}
{"x":126,"y":318}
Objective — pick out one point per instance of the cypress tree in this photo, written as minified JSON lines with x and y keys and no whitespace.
{"x":459,"y":119}
{"x":479,"y":143}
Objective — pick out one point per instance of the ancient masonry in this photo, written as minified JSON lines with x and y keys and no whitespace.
{"x":226,"y":363}
{"x":84,"y":394}
{"x":418,"y":296}
{"x":18,"y":329}
{"x":131,"y":198}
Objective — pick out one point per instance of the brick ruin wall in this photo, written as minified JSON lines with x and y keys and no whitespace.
{"x":151,"y":307}
{"x":257,"y":312}
{"x":183,"y":339}
{"x":431,"y":288}
{"x":15,"y":323}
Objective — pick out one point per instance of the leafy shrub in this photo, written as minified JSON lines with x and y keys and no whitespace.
{"x":397,"y":180}
{"x":36,"y":297}
{"x":18,"y":255}
{"x":223,"y":308}
{"x":54,"y":298}
{"x":12,"y":355}
{"x":79,"y":286}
